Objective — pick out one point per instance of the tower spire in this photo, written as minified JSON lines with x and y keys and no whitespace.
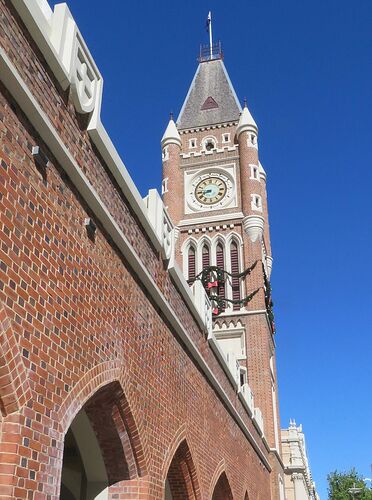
{"x":209,"y":27}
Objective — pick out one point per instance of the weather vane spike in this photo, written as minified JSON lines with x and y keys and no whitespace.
{"x":209,"y":29}
{"x":171,"y":115}
{"x":245,"y":102}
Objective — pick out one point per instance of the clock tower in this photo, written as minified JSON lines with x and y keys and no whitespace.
{"x":214,"y":188}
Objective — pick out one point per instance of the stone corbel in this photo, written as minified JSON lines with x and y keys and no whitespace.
{"x":253,"y":225}
{"x":269,"y":265}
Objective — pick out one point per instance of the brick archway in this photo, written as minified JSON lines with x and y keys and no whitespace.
{"x":14,"y":385}
{"x":182,"y":481}
{"x":222,"y":489}
{"x":105,"y":443}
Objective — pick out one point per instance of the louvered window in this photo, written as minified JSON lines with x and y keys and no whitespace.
{"x":205,"y":261}
{"x":191,"y":265}
{"x":235,"y":285}
{"x":221,"y":264}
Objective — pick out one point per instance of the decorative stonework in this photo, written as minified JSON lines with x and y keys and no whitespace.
{"x":83,"y":74}
{"x":298,"y":479}
{"x":253,"y":226}
{"x":84,"y":79}
{"x":162,"y":224}
{"x":195,"y":154}
{"x":209,"y":103}
{"x":226,"y":173}
{"x":269,"y":265}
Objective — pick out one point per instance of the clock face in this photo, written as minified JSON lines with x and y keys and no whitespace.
{"x":210,"y":190}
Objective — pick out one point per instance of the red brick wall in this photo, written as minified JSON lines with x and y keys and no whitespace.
{"x":75,"y":318}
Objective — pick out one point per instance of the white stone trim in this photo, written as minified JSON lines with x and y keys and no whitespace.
{"x":164,"y":185}
{"x":193,"y":140}
{"x":38,"y":119}
{"x":253,"y":226}
{"x":212,"y":218}
{"x":226,"y":172}
{"x":205,"y":140}
{"x":256,"y":202}
{"x":195,"y":154}
{"x":255,"y":172}
{"x":165,"y":153}
{"x":246,"y":396}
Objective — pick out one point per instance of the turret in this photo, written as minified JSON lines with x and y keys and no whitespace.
{"x":269,"y":259}
{"x":252,"y":195}
{"x":172,"y":178}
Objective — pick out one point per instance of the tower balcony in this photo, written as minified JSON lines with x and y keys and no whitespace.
{"x":210,"y":53}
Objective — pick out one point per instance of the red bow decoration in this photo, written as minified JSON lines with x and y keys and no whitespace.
{"x":212,"y":284}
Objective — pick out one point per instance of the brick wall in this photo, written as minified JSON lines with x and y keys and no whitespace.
{"x":75,"y":319}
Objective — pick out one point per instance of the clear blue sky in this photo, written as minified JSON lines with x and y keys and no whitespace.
{"x":305,"y":68}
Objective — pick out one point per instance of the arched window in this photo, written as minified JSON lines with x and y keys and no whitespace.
{"x":205,"y":256}
{"x":220,"y":261}
{"x":205,"y":260}
{"x":191,"y":265}
{"x":235,"y":282}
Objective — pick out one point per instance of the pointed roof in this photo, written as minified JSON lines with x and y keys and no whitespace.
{"x":171,"y":135}
{"x":211,"y":98}
{"x":246,"y":121}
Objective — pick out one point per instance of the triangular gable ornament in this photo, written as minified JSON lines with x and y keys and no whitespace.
{"x":209,"y":103}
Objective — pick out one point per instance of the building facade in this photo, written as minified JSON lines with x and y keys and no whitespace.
{"x":299,"y":484}
{"x":115,"y":381}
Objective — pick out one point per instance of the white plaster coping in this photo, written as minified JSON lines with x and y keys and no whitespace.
{"x":246,"y":397}
{"x":37,"y":15}
{"x":275,"y":452}
{"x":213,"y":342}
{"x":38,"y":119}
{"x":258,"y":421}
{"x":204,"y":219}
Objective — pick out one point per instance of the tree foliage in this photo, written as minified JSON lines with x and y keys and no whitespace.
{"x":339,"y":484}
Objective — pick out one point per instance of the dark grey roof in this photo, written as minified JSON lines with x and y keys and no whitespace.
{"x":210,"y":81}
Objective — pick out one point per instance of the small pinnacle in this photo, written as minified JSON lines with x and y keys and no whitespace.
{"x":245,"y":102}
{"x":171,"y":115}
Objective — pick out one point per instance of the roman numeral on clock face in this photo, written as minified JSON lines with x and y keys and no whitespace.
{"x":210,"y":191}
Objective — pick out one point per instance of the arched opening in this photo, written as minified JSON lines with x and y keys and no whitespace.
{"x":222,"y":490}
{"x":191,"y":264}
{"x":98,"y":448}
{"x":235,"y":282}
{"x":181,"y":482}
{"x":205,"y":261}
{"x":220,"y":261}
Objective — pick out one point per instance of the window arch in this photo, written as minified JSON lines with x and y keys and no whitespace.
{"x":222,"y":490}
{"x":206,"y":261}
{"x":191,"y":264}
{"x":99,"y":449}
{"x":222,"y":251}
{"x":182,"y":481}
{"x":209,"y":143}
{"x":220,"y":262}
{"x":206,"y":257}
{"x":235,"y":269}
